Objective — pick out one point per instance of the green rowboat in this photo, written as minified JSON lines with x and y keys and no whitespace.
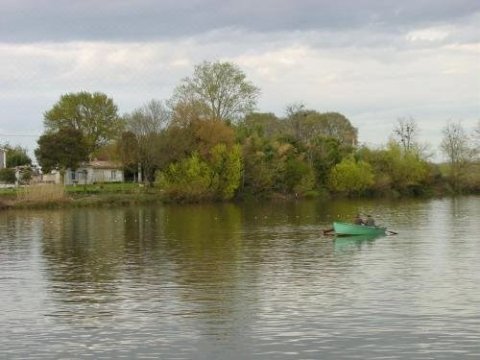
{"x":347,"y":229}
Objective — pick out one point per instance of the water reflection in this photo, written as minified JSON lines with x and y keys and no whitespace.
{"x":354,"y":241}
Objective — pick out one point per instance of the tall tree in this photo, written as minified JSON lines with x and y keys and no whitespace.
{"x":127,"y":150}
{"x":218,"y":88}
{"x":265,"y":124}
{"x":324,"y":153}
{"x":93,"y":114}
{"x":62,"y":149}
{"x":146,"y":124}
{"x":456,"y":147}
{"x":226,"y":165}
{"x":306,"y":125}
{"x":405,"y":133}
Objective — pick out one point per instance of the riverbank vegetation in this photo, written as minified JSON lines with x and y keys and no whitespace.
{"x":207,"y":143}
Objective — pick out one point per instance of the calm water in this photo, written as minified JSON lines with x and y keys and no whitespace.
{"x":241,"y":282}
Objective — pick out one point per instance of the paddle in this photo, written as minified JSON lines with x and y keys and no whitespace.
{"x":391,"y":232}
{"x":328,"y":231}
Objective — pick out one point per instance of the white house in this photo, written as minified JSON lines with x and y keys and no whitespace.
{"x":95,"y":172}
{"x":88,"y":173}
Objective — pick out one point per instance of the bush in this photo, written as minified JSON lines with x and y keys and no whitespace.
{"x":188,"y":180}
{"x":7,"y":175}
{"x":351,"y":177}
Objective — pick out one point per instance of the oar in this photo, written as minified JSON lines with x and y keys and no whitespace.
{"x":328,"y":231}
{"x":392,"y":232}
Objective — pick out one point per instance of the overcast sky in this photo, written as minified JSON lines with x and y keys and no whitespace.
{"x":374,"y":61}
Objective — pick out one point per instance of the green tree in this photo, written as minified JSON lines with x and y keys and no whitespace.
{"x":17,"y":156}
{"x":7,"y":175}
{"x":188,"y":180}
{"x":351,"y":177}
{"x":275,"y":166}
{"x":299,"y":176}
{"x":93,"y":114}
{"x":226,"y":165}
{"x":200,"y":136}
{"x":127,"y":150}
{"x":258,"y":173}
{"x":26,"y":175}
{"x":218,"y":88}
{"x":306,"y":125}
{"x":324,"y":154}
{"x":62,"y":149}
{"x":265,"y":124}
{"x":407,"y":170}
{"x":397,"y":170}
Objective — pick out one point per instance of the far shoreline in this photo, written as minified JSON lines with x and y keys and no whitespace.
{"x":135,"y":195}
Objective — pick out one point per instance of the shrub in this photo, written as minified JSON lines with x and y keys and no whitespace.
{"x":351,"y":177}
{"x":7,"y":175}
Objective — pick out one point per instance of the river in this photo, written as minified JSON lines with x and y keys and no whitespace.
{"x":248,"y":281}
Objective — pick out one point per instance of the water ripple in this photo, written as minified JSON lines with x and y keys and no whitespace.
{"x":219,"y":282}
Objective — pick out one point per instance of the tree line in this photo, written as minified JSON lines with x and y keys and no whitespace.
{"x":207,"y":143}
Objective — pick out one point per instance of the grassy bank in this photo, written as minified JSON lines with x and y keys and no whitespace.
{"x":57,"y":196}
{"x":125,"y":194}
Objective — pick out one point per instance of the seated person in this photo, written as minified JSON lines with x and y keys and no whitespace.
{"x":370,"y":221}
{"x":358,"y":220}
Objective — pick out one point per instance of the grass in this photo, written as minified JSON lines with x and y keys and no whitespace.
{"x":105,"y":188}
{"x":55,"y":196}
{"x":8,"y":191}
{"x":42,"y":194}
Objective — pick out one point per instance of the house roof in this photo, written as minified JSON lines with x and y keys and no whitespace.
{"x":99,"y":164}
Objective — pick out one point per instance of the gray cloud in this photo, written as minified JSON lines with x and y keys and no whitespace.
{"x":374,"y":61}
{"x":146,"y":20}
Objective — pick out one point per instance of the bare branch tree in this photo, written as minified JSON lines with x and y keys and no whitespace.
{"x":222,"y":89}
{"x":456,"y":146}
{"x":406,"y":132}
{"x":147,"y":124}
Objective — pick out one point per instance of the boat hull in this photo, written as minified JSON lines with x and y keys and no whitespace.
{"x":347,"y":229}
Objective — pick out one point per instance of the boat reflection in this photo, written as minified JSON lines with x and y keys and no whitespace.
{"x":350,"y":241}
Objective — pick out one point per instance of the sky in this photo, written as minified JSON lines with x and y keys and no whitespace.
{"x":375,"y":61}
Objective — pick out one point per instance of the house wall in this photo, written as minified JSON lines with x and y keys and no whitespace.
{"x":3,"y":159}
{"x":88,"y":175}
{"x":53,"y":177}
{"x":107,"y":175}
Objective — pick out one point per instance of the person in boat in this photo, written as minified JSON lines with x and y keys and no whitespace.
{"x":358,"y":220}
{"x":370,"y":221}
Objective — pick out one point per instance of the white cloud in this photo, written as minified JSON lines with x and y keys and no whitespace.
{"x":433,"y":34}
{"x":372,"y":77}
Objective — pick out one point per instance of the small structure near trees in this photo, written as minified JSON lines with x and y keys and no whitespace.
{"x":87,"y":173}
